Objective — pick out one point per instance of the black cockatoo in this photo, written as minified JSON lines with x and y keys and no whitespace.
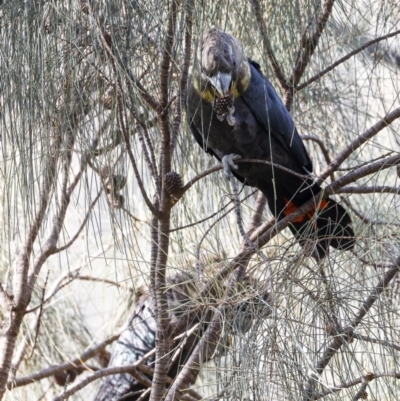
{"x":139,"y":338}
{"x":234,"y":110}
{"x":250,"y":302}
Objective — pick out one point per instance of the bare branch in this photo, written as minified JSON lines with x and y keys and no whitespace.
{"x":83,"y":225}
{"x":131,"y":369}
{"x":345,"y":58}
{"x":258,"y":213}
{"x":52,"y":370}
{"x":323,"y":148}
{"x":72,"y":273}
{"x":158,"y":275}
{"x":133,"y":162}
{"x":333,"y":347}
{"x":184,"y":73}
{"x":217,"y":213}
{"x":364,"y":189}
{"x":360,"y":380}
{"x":308,"y":44}
{"x":377,"y":341}
{"x":267,"y":45}
{"x":363,"y":138}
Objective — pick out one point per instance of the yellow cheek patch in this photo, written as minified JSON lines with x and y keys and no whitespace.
{"x":208,"y":96}
{"x":237,"y":88}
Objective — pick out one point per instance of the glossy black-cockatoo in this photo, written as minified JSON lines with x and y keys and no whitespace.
{"x":234,"y":110}
{"x":139,"y":338}
{"x":250,"y":302}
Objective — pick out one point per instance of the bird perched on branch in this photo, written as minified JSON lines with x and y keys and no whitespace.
{"x":139,"y":338}
{"x":248,"y":301}
{"x":234,"y":112}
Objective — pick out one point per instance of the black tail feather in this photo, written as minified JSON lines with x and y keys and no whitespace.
{"x":330,"y":225}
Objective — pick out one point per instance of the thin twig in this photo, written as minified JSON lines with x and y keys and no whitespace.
{"x":308,"y":44}
{"x":57,"y":284}
{"x":361,"y":139}
{"x":52,"y":370}
{"x":360,"y":380}
{"x":333,"y":347}
{"x":345,"y":58}
{"x":261,"y":23}
{"x":184,"y":72}
{"x":364,"y":189}
{"x":85,"y":220}
{"x":323,"y":148}
{"x":214,"y":214}
{"x":133,"y":161}
{"x":149,"y":157}
{"x":250,"y":243}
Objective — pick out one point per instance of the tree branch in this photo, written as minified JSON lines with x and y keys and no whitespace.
{"x":308,"y":44}
{"x":52,"y":370}
{"x":267,"y":45}
{"x":363,"y":138}
{"x":131,"y":369}
{"x":341,"y":338}
{"x":184,"y":73}
{"x":158,"y":275}
{"x":85,"y":220}
{"x":203,"y":350}
{"x":345,"y":58}
{"x":133,"y":162}
{"x":364,"y":189}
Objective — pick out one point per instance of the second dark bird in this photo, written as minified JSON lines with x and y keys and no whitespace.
{"x":234,"y":110}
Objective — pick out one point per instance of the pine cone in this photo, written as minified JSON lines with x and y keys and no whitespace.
{"x":222,"y":105}
{"x":173,"y":183}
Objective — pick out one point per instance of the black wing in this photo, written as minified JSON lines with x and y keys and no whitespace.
{"x":269,"y":110}
{"x":196,"y":99}
{"x":134,"y":342}
{"x":197,"y":135}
